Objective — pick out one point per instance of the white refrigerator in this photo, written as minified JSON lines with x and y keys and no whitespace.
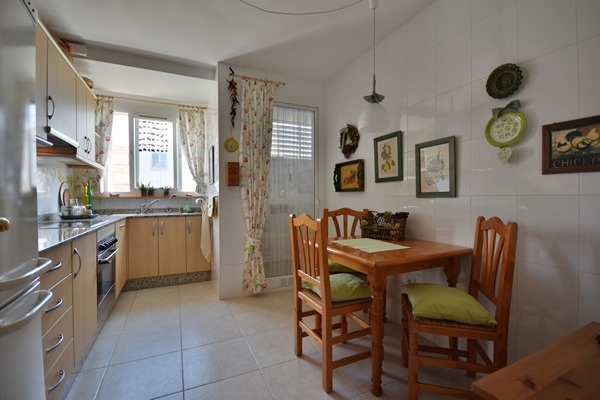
{"x":21,"y":301}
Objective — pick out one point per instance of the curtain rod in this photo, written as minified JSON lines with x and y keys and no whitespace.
{"x":276,"y":83}
{"x":152,"y":101}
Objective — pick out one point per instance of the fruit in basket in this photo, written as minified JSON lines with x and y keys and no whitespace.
{"x":364,"y":222}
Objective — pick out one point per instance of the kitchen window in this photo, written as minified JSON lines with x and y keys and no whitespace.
{"x":145,"y":149}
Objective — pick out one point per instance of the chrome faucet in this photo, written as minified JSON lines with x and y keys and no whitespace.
{"x":144,"y":208}
{"x":176,"y":198}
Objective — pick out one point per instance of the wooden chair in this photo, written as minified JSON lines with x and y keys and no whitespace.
{"x":346,"y":221}
{"x":491,"y":278}
{"x":323,"y":296}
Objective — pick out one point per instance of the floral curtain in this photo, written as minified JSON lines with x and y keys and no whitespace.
{"x":255,"y":157}
{"x":103,"y":124}
{"x":192,"y":133}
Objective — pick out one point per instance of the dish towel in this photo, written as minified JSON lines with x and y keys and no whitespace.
{"x":206,"y":234}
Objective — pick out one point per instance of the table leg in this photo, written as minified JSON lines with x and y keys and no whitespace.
{"x":376,"y":318}
{"x":452,"y":270}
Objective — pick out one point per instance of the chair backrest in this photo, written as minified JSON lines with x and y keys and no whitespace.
{"x":493,"y":264}
{"x":309,"y":253}
{"x":345,"y":220}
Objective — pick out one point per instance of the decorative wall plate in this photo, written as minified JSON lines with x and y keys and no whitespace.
{"x":507,"y":129}
{"x":504,"y":81}
{"x":231,"y":144}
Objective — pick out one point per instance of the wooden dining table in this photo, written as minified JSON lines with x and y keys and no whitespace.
{"x":419,"y":255}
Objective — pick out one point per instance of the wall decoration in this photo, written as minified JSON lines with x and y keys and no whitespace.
{"x":349,"y":176}
{"x":436,"y":168}
{"x":504,"y":81}
{"x":571,"y":146}
{"x":506,"y":127}
{"x":349,"y":138}
{"x":388,"y":157}
{"x":211,"y":165}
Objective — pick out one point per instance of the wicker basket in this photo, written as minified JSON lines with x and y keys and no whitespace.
{"x":383,"y":225}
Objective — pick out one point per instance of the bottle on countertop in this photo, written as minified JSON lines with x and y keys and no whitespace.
{"x":90,"y":196}
{"x":84,"y":195}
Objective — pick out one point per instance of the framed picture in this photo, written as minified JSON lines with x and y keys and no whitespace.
{"x":388,"y":157}
{"x":211,"y":165}
{"x":571,"y":146}
{"x":436,"y":168}
{"x":349,"y":176}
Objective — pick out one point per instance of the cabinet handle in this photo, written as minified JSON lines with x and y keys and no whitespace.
{"x":57,"y":384}
{"x":50,"y":115}
{"x":153,"y":228}
{"x":59,"y":341}
{"x":189,"y":226}
{"x":79,"y":257}
{"x":54,"y":307}
{"x":57,"y":266}
{"x":122,"y":226}
{"x":162,"y":227}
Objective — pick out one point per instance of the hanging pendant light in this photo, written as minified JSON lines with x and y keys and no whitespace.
{"x":374,"y":117}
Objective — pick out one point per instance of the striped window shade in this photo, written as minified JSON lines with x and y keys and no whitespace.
{"x":154,"y":135}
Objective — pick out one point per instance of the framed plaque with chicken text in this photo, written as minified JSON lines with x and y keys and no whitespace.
{"x":571,"y":146}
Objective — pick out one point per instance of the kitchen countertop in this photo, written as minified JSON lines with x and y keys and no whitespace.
{"x":54,"y":233}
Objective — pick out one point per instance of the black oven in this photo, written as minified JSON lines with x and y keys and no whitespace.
{"x":106,"y":267}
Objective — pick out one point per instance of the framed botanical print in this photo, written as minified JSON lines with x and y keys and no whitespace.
{"x":388,"y":157}
{"x":436,"y":168}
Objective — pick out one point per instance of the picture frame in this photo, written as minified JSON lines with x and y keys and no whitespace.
{"x":349,"y":176}
{"x":571,"y":146}
{"x":435,"y":168}
{"x":211,"y":165}
{"x":388,"y":157}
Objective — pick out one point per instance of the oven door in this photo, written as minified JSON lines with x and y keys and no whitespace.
{"x":106,"y":273}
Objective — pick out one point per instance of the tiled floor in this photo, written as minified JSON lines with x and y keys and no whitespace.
{"x":181,"y":342}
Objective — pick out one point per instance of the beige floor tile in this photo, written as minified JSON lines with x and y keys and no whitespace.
{"x":276,"y":346}
{"x":86,"y":384}
{"x":136,"y":346}
{"x":250,"y":386}
{"x":262,"y":319}
{"x":143,"y":379}
{"x":101,"y":353}
{"x":209,"y":330}
{"x":196,"y":311}
{"x":141,"y":321}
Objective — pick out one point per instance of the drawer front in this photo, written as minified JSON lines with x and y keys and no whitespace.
{"x":60,"y":254}
{"x":59,"y":373}
{"x":56,"y":339}
{"x":62,"y":300}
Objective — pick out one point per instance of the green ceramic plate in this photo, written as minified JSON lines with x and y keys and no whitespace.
{"x":507,"y":130}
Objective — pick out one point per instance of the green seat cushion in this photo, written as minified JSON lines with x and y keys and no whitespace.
{"x":443,"y":302}
{"x":345,"y":287}
{"x":335,"y":267}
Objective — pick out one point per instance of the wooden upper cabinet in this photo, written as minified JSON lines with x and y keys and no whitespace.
{"x":86,"y":104}
{"x":61,"y":93}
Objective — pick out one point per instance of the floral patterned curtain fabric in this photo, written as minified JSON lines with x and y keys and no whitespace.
{"x":255,"y":157}
{"x":103,"y":123}
{"x":193,"y":142}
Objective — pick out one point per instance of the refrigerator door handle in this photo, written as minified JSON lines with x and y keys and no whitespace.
{"x":22,"y":313}
{"x":24,"y":273}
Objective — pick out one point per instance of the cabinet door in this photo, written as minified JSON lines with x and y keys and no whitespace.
{"x":41,"y":80}
{"x":121,"y":257}
{"x":195,"y":259}
{"x":171,"y":245}
{"x":61,"y":105}
{"x":142,"y":243}
{"x":86,"y":105}
{"x":85,"y":292}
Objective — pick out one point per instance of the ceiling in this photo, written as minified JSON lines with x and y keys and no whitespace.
{"x":177,"y":44}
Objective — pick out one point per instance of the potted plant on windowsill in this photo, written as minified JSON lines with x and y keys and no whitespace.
{"x":151,"y":190}
{"x":166,"y":190}
{"x":142,"y":188}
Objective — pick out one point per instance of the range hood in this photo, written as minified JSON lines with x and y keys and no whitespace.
{"x":64,"y":149}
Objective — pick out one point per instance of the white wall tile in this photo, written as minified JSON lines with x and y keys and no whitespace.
{"x":421,"y":32}
{"x":589,"y":249}
{"x":494,"y":41}
{"x":529,"y":341}
{"x":545,"y":26}
{"x":453,"y":62}
{"x":453,"y":113}
{"x":590,"y":183}
{"x":421,"y":123}
{"x":546,"y":299}
{"x":395,"y":50}
{"x":503,"y":207}
{"x":587,"y":18}
{"x":589,"y":84}
{"x":421,"y":77}
{"x":451,"y":17}
{"x":549,"y":230}
{"x":589,"y":298}
{"x":489,"y":176}
{"x":481,"y":9}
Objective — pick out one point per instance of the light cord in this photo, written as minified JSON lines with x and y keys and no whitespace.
{"x":302,"y":13}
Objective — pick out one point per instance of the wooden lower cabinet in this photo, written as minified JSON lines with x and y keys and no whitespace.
{"x":85,"y":300}
{"x":59,"y":373}
{"x":121,"y":257}
{"x":195,"y":260}
{"x":142,"y":244}
{"x":171,"y":245}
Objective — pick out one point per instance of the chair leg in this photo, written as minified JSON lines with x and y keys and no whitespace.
{"x":471,"y":357}
{"x":413,"y":365}
{"x":404,"y":337}
{"x":327,"y":357}
{"x":297,"y":329}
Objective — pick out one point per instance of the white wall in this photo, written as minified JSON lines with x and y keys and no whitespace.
{"x":229,"y":226}
{"x":433,"y":73}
